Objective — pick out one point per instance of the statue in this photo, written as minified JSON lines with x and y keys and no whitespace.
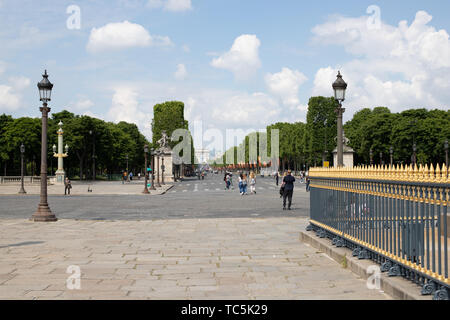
{"x":164,"y":142}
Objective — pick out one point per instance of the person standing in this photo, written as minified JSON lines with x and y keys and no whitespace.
{"x":252,"y":182}
{"x":276,"y":177}
{"x":67,"y":186}
{"x":288,"y":183}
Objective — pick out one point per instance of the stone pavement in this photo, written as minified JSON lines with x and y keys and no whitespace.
{"x":81,"y":188}
{"x":221,"y":258}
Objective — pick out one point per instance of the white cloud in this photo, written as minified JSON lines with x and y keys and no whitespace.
{"x":243,"y":57}
{"x":126,"y":107}
{"x":9,"y":100}
{"x":82,"y":104}
{"x":121,"y":35}
{"x":181,"y":72}
{"x":170,"y":5}
{"x":11,"y":93}
{"x":186,"y":48}
{"x":285,"y":85}
{"x":2,"y":67}
{"x":400,"y":67}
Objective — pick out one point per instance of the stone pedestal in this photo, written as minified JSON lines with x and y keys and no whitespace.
{"x":60,"y":175}
{"x":348,"y":157}
{"x":168,"y":174}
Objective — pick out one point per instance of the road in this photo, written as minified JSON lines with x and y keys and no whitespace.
{"x":191,"y":198}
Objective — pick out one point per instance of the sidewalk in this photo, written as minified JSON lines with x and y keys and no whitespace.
{"x":224,"y":258}
{"x":81,"y":188}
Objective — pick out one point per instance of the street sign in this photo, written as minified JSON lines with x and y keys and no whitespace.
{"x":326,"y":164}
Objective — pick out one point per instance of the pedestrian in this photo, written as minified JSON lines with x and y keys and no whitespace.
{"x":307,"y":183}
{"x":276,"y":177}
{"x":124,"y":177}
{"x":225,"y":179}
{"x":288,"y":184}
{"x":231,"y":181}
{"x":241,"y":177}
{"x":139,"y":176}
{"x":67,"y":186}
{"x":252,"y":182}
{"x":131,"y":176}
{"x":244,"y":183}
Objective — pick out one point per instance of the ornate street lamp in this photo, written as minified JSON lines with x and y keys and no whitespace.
{"x":446,"y":153}
{"x":152,"y":154}
{"x":157,"y":166}
{"x":371,"y":156}
{"x":146,"y":171}
{"x":163,"y":169}
{"x":92,"y":133}
{"x":128,"y":174}
{"x":391,"y":153}
{"x":339,"y":87}
{"x":414,"y":158}
{"x":22,"y":151}
{"x":43,"y":212}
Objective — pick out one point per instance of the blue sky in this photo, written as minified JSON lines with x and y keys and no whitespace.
{"x":125,"y":56}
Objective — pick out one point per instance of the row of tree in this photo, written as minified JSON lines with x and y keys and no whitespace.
{"x":302,"y":145}
{"x":113,"y":143}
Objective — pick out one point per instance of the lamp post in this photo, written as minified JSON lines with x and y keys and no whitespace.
{"x":339,"y":87}
{"x":446,"y":153}
{"x":157,"y":166}
{"x":414,"y":159}
{"x":146,"y":171}
{"x":391,"y":153}
{"x":381,"y":158}
{"x":54,"y":151}
{"x":163,"y":168}
{"x":60,"y":173}
{"x":128,"y":174}
{"x":371,"y":156}
{"x":93,"y":154}
{"x":22,"y":151}
{"x":152,"y":154}
{"x":43,"y":212}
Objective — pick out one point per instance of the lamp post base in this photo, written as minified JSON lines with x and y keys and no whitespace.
{"x":146,"y":191}
{"x":43,"y":214}
{"x":22,"y":191}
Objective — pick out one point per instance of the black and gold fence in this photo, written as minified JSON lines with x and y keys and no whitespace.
{"x":396,"y":216}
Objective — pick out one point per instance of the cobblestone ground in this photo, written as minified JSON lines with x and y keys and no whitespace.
{"x":220,"y":258}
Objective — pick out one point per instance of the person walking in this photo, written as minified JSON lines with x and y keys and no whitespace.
{"x":276,"y":177}
{"x":231,"y":181}
{"x":252,"y":182}
{"x":124,"y":177}
{"x":241,"y":178}
{"x":131,"y":176}
{"x":244,"y":183}
{"x":226,"y":180}
{"x":288,"y":184}
{"x":307,"y":182}
{"x":67,"y":186}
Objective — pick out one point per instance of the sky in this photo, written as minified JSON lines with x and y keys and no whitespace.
{"x":236,"y":65}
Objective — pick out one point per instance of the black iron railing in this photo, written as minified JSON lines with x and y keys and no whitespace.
{"x":397,"y":217}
